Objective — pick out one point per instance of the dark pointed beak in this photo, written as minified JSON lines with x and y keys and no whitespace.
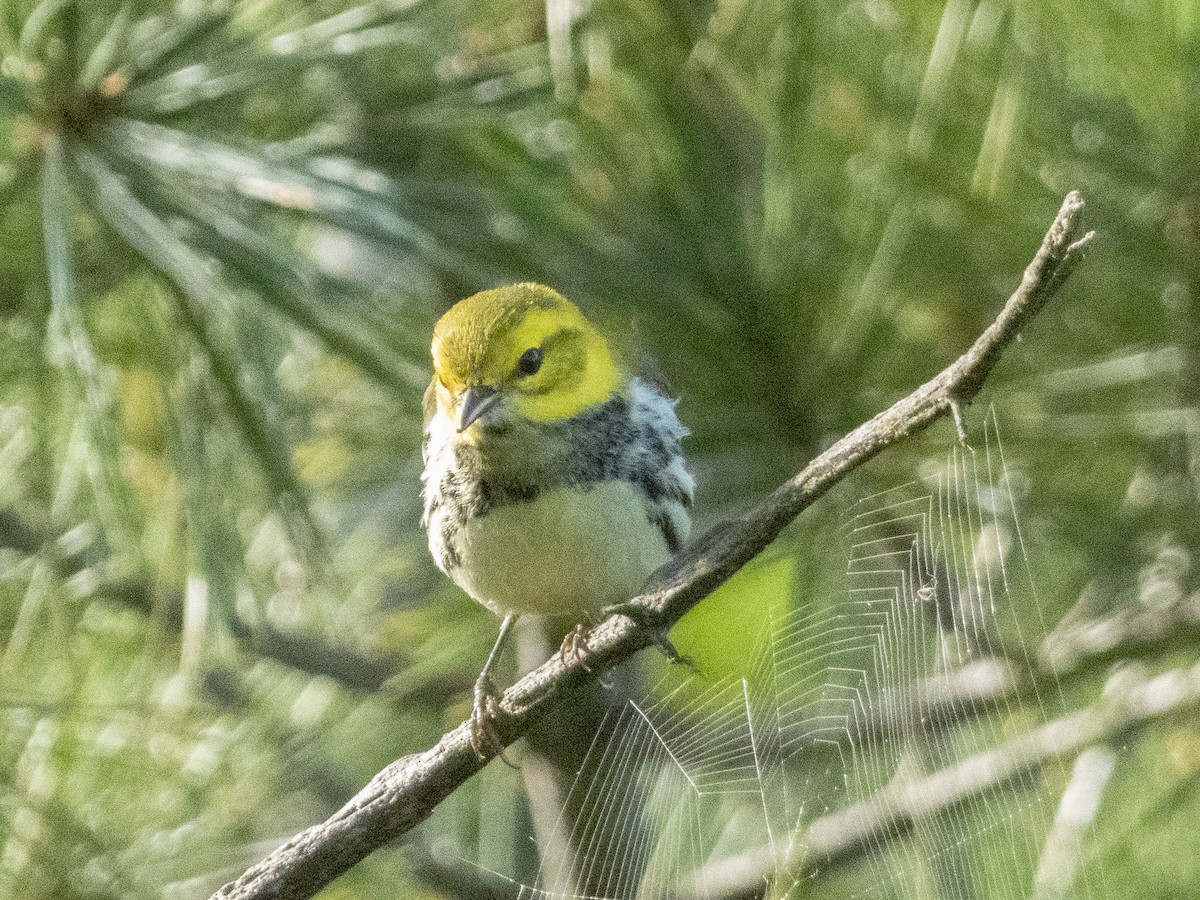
{"x":476,"y":400}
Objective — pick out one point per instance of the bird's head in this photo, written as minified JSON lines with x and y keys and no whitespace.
{"x":518,"y":351}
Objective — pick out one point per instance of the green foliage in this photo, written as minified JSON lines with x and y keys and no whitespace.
{"x":227,"y":229}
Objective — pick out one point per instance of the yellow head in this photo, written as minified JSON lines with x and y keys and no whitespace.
{"x":523,"y":349}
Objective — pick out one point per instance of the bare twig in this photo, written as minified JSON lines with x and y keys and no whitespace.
{"x":404,"y":793}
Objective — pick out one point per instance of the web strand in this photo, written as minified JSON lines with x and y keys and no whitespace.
{"x":698,"y":780}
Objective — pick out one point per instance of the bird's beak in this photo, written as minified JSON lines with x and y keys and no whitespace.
{"x":476,"y":400}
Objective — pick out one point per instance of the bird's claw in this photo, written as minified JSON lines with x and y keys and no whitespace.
{"x":575,"y":644}
{"x":484,"y":707}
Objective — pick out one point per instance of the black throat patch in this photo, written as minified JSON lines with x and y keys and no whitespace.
{"x":515,"y":465}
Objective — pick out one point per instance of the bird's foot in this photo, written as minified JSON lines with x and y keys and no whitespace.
{"x":575,"y":644}
{"x":484,"y":709}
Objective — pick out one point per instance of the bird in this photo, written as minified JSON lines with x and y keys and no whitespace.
{"x":554,"y":482}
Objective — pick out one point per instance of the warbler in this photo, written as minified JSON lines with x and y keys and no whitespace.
{"x":554,"y":482}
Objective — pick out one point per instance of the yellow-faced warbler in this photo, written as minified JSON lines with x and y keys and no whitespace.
{"x":554,"y":482}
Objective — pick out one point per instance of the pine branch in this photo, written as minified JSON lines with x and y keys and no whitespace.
{"x":351,"y":668}
{"x":1068,"y":655}
{"x":404,"y":793}
{"x":1130,"y":703}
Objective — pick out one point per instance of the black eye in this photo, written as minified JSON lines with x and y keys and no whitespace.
{"x":530,"y":362}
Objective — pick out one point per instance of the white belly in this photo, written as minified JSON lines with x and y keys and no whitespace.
{"x":567,"y":552}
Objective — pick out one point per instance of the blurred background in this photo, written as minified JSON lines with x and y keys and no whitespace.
{"x":227,"y":228}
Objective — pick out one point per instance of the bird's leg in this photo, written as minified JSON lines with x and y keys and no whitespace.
{"x":575,"y":644}
{"x":484,"y":739}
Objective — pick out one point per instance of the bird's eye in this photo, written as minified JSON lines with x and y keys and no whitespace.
{"x":530,"y":362}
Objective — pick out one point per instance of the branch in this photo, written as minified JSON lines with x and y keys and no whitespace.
{"x":1130,"y":703}
{"x":1067,"y":655}
{"x":405,"y":792}
{"x":952,"y":698}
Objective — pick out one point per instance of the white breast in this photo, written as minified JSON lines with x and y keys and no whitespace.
{"x":568,"y":552}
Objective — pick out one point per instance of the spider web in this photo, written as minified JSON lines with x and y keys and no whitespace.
{"x":762,"y":783}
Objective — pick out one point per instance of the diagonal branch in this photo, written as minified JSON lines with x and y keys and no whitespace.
{"x":405,"y":792}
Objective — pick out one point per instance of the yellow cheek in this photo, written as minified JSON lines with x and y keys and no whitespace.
{"x":596,"y":387}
